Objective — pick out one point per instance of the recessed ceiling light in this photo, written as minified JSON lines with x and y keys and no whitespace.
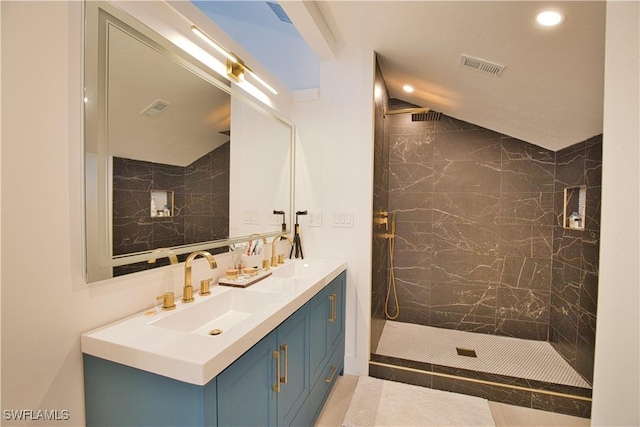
{"x":407,"y":88}
{"x":550,"y":18}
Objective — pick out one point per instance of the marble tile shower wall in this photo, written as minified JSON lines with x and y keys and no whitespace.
{"x":574,"y":285}
{"x":380,"y":269}
{"x":201,"y":197}
{"x":475,"y":216}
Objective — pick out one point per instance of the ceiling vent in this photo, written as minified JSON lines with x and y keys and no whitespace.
{"x":482,"y":65}
{"x":155,"y":109}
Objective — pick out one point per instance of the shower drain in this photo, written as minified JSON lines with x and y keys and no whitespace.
{"x":466,"y":352}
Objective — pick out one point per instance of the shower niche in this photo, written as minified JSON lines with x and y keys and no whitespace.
{"x":575,"y":207}
{"x":162,"y":203}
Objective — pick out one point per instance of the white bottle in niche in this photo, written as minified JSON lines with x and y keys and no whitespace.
{"x":154,"y":209}
{"x":575,"y":221}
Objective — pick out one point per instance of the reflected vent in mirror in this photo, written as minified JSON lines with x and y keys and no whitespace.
{"x":156,"y":108}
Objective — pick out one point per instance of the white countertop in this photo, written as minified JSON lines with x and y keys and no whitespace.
{"x":196,"y":357}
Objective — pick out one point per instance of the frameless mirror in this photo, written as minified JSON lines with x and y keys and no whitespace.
{"x":176,"y":160}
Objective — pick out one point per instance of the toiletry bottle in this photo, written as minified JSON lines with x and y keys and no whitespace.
{"x":574,"y":220}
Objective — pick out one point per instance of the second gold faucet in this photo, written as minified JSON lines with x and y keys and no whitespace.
{"x":275,"y":259}
{"x":187,"y":292}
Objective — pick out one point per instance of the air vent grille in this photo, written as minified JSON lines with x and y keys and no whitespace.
{"x":430,"y":116}
{"x":156,"y":108}
{"x":482,"y":65}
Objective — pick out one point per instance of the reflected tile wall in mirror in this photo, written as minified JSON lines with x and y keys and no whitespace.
{"x":201,"y":212}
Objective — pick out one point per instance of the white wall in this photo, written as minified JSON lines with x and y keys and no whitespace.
{"x":616,"y":390}
{"x":46,"y":304}
{"x":334,"y":173}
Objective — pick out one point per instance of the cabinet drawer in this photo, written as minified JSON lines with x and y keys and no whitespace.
{"x":326,"y":381}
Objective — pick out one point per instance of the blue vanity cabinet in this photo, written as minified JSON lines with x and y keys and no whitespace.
{"x":268,"y":384}
{"x":293,"y":344}
{"x":327,"y":324}
{"x":283,"y":380}
{"x":337,"y":296}
{"x":120,"y":396}
{"x":245,"y":389}
{"x":327,"y":334}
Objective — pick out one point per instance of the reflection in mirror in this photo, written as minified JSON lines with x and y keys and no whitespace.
{"x":175,"y":160}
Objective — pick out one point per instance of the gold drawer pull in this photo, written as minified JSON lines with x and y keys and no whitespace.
{"x":332,"y":316}
{"x":276,"y":355}
{"x":284,"y":348}
{"x":334,"y":369}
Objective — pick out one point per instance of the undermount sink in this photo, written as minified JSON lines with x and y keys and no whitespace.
{"x":298,"y":269}
{"x":218,"y":313}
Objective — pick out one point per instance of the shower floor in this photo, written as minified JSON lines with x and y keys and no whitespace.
{"x":514,"y":357}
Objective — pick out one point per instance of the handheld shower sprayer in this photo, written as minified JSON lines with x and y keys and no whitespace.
{"x":391,"y":285}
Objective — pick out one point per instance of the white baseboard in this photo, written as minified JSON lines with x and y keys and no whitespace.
{"x":356,"y":366}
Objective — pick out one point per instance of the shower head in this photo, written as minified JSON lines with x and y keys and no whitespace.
{"x":420,"y":114}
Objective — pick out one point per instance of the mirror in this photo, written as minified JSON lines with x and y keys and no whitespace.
{"x":176,"y":159}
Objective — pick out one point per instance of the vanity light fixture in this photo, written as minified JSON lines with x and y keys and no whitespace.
{"x":235,"y":66}
{"x":261,"y":80}
{"x":197,"y":31}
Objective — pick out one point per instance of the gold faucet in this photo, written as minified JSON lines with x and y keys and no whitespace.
{"x":187,"y":292}
{"x":169,"y":254}
{"x":275,"y":261}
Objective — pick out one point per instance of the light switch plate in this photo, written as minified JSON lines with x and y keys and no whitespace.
{"x":315,"y":219}
{"x":343,"y":219}
{"x":251,"y":217}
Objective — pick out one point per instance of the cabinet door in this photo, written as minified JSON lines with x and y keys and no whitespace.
{"x":246,"y":395}
{"x":293,"y":344}
{"x":336,"y":311}
{"x":319,"y":352}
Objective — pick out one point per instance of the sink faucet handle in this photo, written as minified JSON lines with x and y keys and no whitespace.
{"x":204,"y":287}
{"x":167,"y":301}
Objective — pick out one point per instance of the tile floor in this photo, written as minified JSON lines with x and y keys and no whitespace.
{"x":514,"y":357}
{"x":503,"y":415}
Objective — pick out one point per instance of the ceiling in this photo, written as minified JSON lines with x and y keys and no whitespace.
{"x":193,"y":125}
{"x":550,"y":93}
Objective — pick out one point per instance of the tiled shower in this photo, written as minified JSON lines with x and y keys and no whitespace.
{"x":479,"y":243}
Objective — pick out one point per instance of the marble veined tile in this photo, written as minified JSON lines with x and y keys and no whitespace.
{"x":463,"y":175}
{"x":522,"y":176}
{"x":465,"y":269}
{"x":468,"y":239}
{"x":466,"y":207}
{"x":526,"y":273}
{"x":411,"y":147}
{"x":410,"y":177}
{"x":475,"y":145}
{"x":527,"y":208}
{"x":515,"y":149}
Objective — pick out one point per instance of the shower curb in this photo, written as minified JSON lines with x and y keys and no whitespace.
{"x":557,"y":398}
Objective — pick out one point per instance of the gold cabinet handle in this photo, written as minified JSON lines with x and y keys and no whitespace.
{"x":332,"y":315}
{"x":284,"y":348}
{"x":276,"y":387}
{"x":334,"y":369}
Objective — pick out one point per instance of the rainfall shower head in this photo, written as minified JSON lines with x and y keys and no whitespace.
{"x":420,"y":114}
